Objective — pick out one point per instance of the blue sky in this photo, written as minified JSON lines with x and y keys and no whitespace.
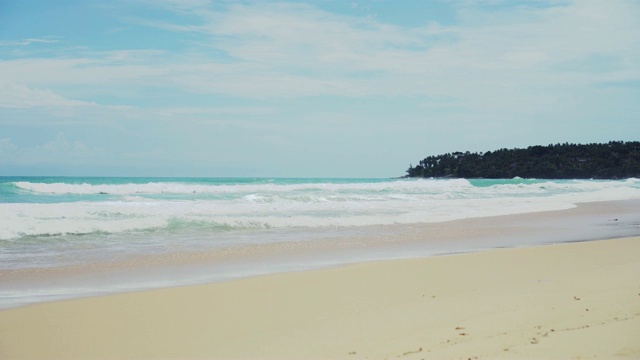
{"x":315,"y":88}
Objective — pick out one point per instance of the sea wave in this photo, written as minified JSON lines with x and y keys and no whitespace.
{"x":399,"y":186}
{"x":143,"y":208}
{"x":191,"y":188}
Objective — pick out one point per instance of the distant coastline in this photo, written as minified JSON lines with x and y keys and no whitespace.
{"x":612,"y":160}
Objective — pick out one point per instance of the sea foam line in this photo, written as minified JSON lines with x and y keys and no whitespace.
{"x":187,"y":188}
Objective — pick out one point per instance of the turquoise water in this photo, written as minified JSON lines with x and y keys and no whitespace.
{"x":54,"y":222}
{"x":46,"y":207}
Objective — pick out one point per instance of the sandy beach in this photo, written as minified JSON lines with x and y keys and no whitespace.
{"x":577,"y":300}
{"x":319,"y":179}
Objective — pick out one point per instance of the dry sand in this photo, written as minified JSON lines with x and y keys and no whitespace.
{"x":557,"y":301}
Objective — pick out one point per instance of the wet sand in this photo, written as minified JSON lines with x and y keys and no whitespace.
{"x":555,"y":301}
{"x":319,"y":248}
{"x":571,"y":297}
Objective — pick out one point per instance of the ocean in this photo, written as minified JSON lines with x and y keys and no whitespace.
{"x":49,"y":223}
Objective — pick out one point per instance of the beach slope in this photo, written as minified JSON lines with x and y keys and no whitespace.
{"x":557,"y":301}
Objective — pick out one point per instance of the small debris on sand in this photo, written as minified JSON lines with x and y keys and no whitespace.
{"x":412,"y":352}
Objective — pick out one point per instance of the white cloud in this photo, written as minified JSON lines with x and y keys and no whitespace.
{"x":521,"y":70}
{"x":208,"y":111}
{"x":58,"y":152}
{"x":27,"y":42}
{"x":291,"y":50}
{"x":102,"y":70}
{"x":19,"y":96}
{"x":180,"y":5}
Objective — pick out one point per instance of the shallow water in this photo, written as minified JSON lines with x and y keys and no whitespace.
{"x":69,"y":237}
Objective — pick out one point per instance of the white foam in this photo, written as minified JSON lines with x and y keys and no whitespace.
{"x":301,"y":205}
{"x":187,"y":188}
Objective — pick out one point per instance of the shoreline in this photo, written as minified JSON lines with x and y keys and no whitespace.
{"x":552,"y":301}
{"x":330,"y":248}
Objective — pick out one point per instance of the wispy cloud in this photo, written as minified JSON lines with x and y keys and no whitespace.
{"x":58,"y":151}
{"x":19,"y":96}
{"x":291,"y":74}
{"x":289,"y":50}
{"x":27,"y":42}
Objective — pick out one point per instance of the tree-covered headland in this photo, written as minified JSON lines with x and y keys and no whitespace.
{"x":613,"y":160}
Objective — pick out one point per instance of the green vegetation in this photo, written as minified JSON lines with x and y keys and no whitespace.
{"x":614,"y":160}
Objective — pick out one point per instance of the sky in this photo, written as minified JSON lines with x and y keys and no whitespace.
{"x":314,"y":88}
